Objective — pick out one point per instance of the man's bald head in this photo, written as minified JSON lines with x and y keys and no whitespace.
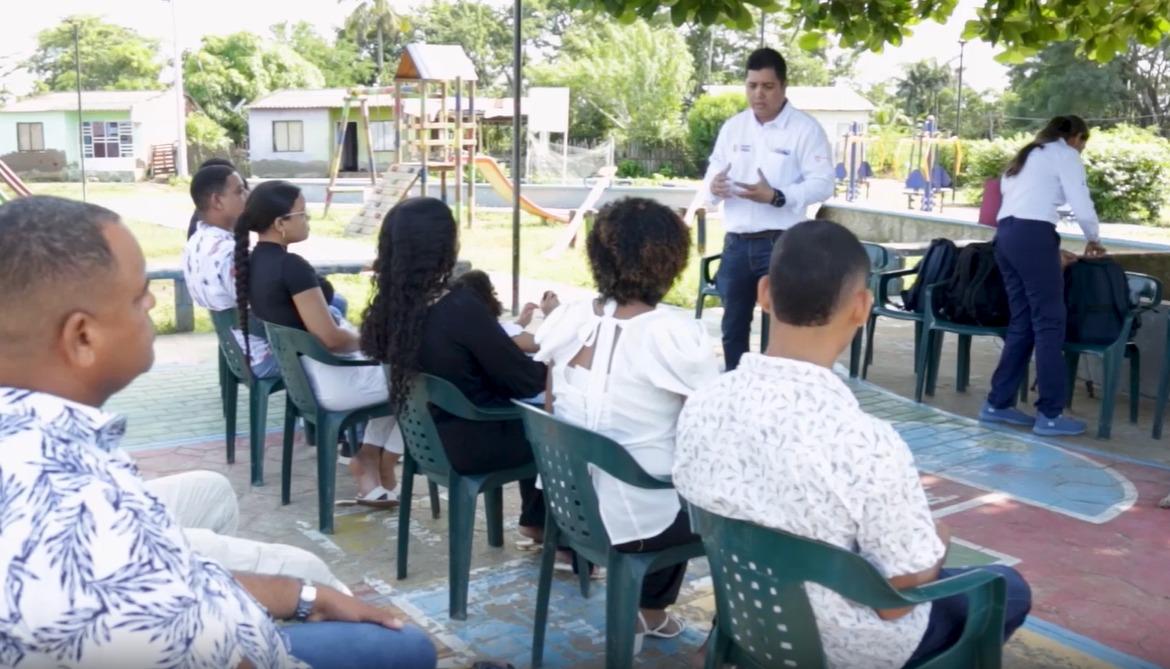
{"x":53,"y":255}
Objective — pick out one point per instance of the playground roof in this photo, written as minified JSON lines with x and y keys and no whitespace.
{"x":90,"y":100}
{"x":814,"y":98}
{"x":435,"y":62}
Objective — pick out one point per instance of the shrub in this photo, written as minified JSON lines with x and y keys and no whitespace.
{"x":630,"y":169}
{"x":704,"y":120}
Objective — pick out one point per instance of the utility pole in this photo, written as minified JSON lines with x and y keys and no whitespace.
{"x":959,"y":91}
{"x":180,"y":99}
{"x":80,"y":132}
{"x":763,"y":26}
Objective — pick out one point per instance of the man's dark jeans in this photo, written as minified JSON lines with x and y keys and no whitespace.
{"x":745,"y":260}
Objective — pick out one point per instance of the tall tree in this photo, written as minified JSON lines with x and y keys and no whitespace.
{"x":484,"y":31}
{"x":340,"y":61}
{"x":920,"y":86}
{"x":229,"y":71}
{"x":378,"y":17}
{"x":1134,"y":87}
{"x":1103,"y":28}
{"x":627,"y":79}
{"x":112,"y":57}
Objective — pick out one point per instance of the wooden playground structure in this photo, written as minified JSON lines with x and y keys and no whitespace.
{"x":13,"y":181}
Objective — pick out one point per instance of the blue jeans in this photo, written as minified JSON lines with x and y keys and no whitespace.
{"x":340,"y":304}
{"x":334,"y":645}
{"x":1028,"y":255}
{"x":947,"y":616}
{"x":743,"y":263}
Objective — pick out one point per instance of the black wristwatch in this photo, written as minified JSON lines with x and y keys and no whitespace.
{"x":778,"y":199}
{"x":306,"y":600}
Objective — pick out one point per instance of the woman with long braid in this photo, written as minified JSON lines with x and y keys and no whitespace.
{"x":281,"y":287}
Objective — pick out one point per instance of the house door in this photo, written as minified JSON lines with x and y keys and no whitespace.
{"x":349,"y":148}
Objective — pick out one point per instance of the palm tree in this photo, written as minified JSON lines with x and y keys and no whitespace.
{"x":920,"y":85}
{"x":380,"y":16}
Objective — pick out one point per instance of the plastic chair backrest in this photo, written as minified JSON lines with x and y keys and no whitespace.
{"x":224,"y":321}
{"x":879,"y":256}
{"x":1145,"y":291}
{"x":288,"y":345}
{"x":564,"y":453}
{"x":419,"y":432}
{"x":758,"y":575}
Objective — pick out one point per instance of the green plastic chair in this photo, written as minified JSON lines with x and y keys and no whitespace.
{"x":707,"y":288}
{"x":425,"y":455}
{"x":886,"y":307}
{"x":564,"y":454}
{"x":880,"y":260}
{"x":1145,"y":293}
{"x":235,"y":371}
{"x":763,"y":616}
{"x":289,"y":345}
{"x":929,"y":348}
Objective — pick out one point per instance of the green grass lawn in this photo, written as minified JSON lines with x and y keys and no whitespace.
{"x":158,"y":214}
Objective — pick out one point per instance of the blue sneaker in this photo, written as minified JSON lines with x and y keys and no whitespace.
{"x":1010,"y":415}
{"x":1060,"y":426}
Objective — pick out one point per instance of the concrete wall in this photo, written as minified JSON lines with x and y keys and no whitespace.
{"x":313,"y":161}
{"x":60,"y":145}
{"x":155,"y":122}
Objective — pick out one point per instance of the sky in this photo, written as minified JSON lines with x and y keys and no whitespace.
{"x":196,"y":18}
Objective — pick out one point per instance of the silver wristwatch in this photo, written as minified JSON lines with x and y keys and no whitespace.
{"x":306,"y":601}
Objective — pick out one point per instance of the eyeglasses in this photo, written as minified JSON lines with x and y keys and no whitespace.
{"x":299,"y":213}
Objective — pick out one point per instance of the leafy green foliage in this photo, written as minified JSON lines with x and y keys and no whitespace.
{"x":340,"y":61}
{"x":1103,"y":28}
{"x":627,"y":79}
{"x":230,"y":71}
{"x":630,"y":169}
{"x":112,"y":57}
{"x":704,"y":120}
{"x":483,"y":30}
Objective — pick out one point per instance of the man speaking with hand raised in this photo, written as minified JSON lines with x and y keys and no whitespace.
{"x":771,"y":161}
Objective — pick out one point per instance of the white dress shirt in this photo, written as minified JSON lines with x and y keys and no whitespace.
{"x":795,"y":156}
{"x":643,"y":370}
{"x":209,"y":269}
{"x":1053,"y":175}
{"x":784,"y":444}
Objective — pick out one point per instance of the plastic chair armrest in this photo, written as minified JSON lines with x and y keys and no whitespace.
{"x":947,"y":587}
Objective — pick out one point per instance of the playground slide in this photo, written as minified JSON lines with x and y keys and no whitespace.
{"x":602,"y":184}
{"x":500,"y":183}
{"x":12,"y":180}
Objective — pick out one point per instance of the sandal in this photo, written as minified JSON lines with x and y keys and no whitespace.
{"x":528,"y":545}
{"x":660,"y":632}
{"x":378,"y":498}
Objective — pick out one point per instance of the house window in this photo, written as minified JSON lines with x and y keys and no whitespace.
{"x":383,"y":134}
{"x":288,"y":136}
{"x":30,"y":136}
{"x":107,"y":139}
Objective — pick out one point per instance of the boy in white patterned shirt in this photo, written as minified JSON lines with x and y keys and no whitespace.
{"x":782,"y":442}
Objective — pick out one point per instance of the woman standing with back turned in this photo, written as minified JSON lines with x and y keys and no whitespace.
{"x":1045,"y":174}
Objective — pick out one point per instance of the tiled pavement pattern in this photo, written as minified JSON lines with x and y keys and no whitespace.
{"x":1086,"y":536}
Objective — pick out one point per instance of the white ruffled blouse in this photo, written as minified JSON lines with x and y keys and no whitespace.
{"x":643,"y":370}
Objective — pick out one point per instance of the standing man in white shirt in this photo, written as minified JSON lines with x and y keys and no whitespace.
{"x":782,"y":442}
{"x":770,"y":163}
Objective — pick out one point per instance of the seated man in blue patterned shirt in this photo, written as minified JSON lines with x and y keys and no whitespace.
{"x":97,"y":572}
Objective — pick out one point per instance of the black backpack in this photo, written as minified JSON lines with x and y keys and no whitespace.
{"x":975,"y":294}
{"x":937,"y":265}
{"x":1096,"y":293}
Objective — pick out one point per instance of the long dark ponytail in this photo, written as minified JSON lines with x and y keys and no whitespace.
{"x":1061,"y":127}
{"x":417,"y":247}
{"x":267,"y":202}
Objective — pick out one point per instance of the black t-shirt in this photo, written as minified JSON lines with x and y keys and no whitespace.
{"x":274,"y":276}
{"x":463,"y":342}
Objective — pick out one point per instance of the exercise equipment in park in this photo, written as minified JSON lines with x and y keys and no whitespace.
{"x":924,"y":160}
{"x":854,"y":169}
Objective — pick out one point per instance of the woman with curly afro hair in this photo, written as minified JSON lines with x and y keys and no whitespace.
{"x":416,"y":323}
{"x":622,"y":366}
